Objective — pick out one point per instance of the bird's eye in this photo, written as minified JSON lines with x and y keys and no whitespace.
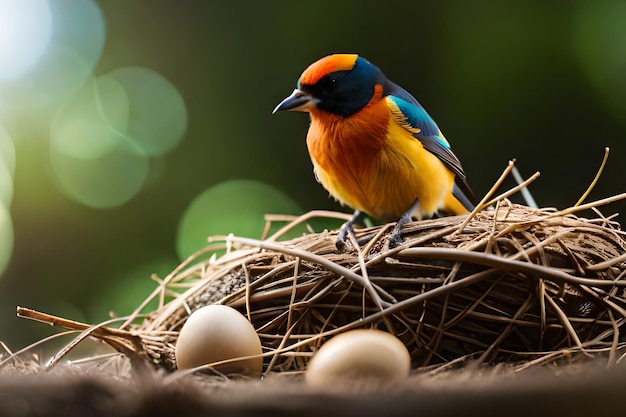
{"x":327,"y":86}
{"x":329,"y":83}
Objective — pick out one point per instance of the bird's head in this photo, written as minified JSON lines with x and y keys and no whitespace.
{"x":340,"y":84}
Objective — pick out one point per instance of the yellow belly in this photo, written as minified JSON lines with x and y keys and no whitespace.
{"x":386,"y":184}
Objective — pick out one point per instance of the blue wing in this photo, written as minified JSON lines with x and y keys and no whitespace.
{"x":411,"y":115}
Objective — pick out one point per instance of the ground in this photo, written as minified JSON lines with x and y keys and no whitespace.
{"x":565,"y":390}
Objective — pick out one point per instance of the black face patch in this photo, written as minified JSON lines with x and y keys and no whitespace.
{"x":344,"y":93}
{"x":326,"y":87}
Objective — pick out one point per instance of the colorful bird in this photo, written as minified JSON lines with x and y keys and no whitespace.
{"x":374,"y":147}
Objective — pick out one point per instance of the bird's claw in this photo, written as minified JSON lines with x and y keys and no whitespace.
{"x":347,"y":229}
{"x":396,"y":239}
{"x":341,"y":242}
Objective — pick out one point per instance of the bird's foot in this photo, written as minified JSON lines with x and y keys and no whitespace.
{"x":346,"y":229}
{"x":396,"y":238}
{"x":341,"y":241}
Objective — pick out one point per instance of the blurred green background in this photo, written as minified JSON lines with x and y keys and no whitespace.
{"x":131,"y":130}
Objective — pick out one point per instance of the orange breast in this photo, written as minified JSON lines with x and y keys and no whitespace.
{"x":343,"y":151}
{"x":370,"y":163}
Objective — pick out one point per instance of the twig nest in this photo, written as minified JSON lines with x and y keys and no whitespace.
{"x":217,"y":333}
{"x":514,"y":283}
{"x":355,"y":355}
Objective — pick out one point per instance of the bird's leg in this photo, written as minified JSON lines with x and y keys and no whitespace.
{"x":396,"y":235}
{"x":346,"y":228}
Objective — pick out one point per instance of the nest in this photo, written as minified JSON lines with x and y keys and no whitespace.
{"x":514,"y":283}
{"x":508,"y":283}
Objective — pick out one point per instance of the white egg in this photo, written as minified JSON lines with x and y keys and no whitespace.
{"x":215,"y":333}
{"x":359,"y":354}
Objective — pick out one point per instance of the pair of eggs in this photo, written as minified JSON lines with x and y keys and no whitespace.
{"x":220,"y":335}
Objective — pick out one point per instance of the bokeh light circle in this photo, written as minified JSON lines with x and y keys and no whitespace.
{"x":102,"y":138}
{"x":92,"y":161}
{"x":7,"y":167}
{"x":7,"y":149}
{"x":235,"y":206}
{"x":25,"y":30}
{"x":73,"y":50}
{"x":158,"y":113}
{"x":108,"y":181}
{"x":79,"y":26}
{"x":93,"y":121}
{"x":6,"y":184}
{"x":6,"y":238}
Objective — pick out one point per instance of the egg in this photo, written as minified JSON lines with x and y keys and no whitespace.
{"x":215,"y":333}
{"x":358,"y":355}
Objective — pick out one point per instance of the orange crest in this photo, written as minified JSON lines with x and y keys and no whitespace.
{"x":326,"y":65}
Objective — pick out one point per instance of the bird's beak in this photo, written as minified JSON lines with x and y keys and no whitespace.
{"x":297,"y":101}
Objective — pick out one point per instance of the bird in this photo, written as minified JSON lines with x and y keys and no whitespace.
{"x":374,"y":147}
